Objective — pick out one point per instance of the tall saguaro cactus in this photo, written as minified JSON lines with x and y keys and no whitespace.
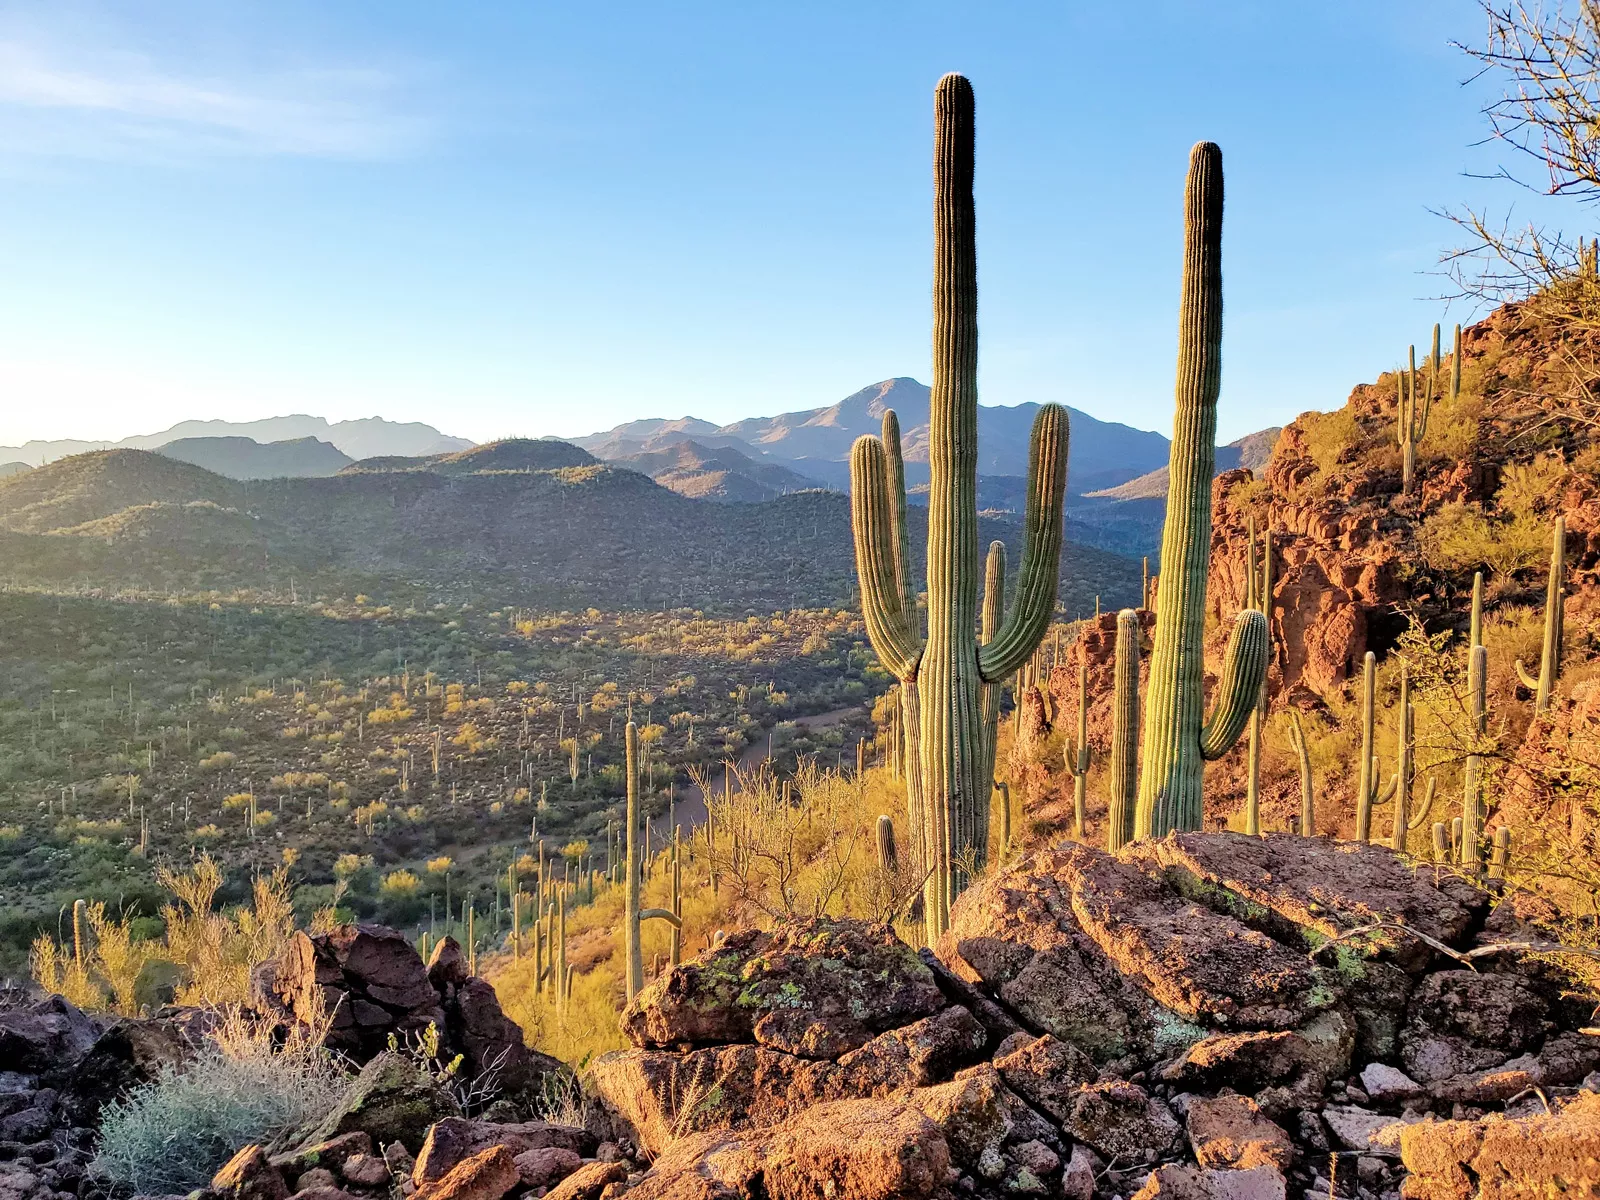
{"x":1471,"y":818}
{"x":633,"y":915}
{"x":1176,"y":741}
{"x":948,"y":666}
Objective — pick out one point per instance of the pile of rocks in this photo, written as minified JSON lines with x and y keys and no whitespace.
{"x":58,"y":1068}
{"x":398,"y":1134}
{"x":1207,"y":1017}
{"x":368,"y":984}
{"x":1203,"y":1017}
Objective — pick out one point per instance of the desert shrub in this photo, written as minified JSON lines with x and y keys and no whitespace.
{"x":1460,"y":537}
{"x":1328,"y":435}
{"x":173,"y":1133}
{"x":218,"y":950}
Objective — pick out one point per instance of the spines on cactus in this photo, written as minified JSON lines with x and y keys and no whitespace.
{"x":989,"y":618}
{"x":1175,"y":742}
{"x":1124,"y":759}
{"x":888,"y":860}
{"x":1500,"y":860}
{"x":947,"y":666}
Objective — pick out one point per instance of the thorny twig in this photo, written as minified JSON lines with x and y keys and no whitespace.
{"x":1464,"y":957}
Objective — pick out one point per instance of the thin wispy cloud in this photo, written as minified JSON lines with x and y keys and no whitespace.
{"x":76,"y":100}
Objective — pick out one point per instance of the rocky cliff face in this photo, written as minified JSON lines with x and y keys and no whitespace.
{"x":1354,"y":556}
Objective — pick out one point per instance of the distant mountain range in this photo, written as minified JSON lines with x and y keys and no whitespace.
{"x":815,"y":444}
{"x":519,"y":521}
{"x":1116,"y":475}
{"x":366,"y":438}
{"x":1251,"y":451}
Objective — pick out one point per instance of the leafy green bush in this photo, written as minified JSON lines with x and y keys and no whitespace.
{"x":173,"y":1133}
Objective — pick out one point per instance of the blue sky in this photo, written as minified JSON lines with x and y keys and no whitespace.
{"x":544,"y":218}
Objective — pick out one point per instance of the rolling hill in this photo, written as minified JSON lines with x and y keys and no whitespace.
{"x":246,"y":458}
{"x":715,"y":473}
{"x":486,"y":525}
{"x":1253,"y":450}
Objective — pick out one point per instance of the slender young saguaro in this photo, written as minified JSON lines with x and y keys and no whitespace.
{"x":1404,"y":761}
{"x":1077,"y":756}
{"x":1554,"y":612}
{"x":1124,"y":733}
{"x":635,"y":965}
{"x":1176,"y":742}
{"x":948,"y":666}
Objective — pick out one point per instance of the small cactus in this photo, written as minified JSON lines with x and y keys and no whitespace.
{"x":1404,"y":761}
{"x":888,"y":861}
{"x":1441,"y":843}
{"x":80,"y":933}
{"x":1412,"y":420}
{"x":1500,"y":863}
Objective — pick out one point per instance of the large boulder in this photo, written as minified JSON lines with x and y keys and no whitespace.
{"x":817,"y":988}
{"x":368,"y":984}
{"x":52,"y":1035}
{"x":1462,"y":1021}
{"x":391,"y":1100}
{"x":1311,"y":890}
{"x":655,"y":1096}
{"x":452,"y":1140}
{"x":367,"y":980}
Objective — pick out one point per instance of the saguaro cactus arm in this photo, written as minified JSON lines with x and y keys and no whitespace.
{"x":897,"y":511}
{"x":889,"y":626}
{"x":1040,"y":572}
{"x":1244,"y":668}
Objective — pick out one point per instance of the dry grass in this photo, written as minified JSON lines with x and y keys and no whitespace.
{"x":812,"y":854}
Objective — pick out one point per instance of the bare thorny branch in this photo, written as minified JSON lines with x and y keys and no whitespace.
{"x":1548,"y":54}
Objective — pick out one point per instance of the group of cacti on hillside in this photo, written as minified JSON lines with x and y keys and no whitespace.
{"x":951,"y":673}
